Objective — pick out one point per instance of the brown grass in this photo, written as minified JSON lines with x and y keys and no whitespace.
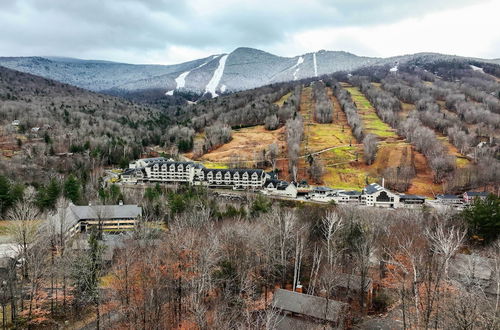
{"x":245,"y":144}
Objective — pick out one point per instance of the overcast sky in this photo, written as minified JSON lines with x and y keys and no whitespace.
{"x":173,"y":31}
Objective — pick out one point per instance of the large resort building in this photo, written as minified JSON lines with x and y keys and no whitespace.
{"x":169,"y":171}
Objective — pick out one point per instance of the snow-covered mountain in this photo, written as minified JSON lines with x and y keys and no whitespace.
{"x":241,"y":69}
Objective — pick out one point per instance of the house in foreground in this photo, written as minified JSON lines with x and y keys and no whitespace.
{"x":111,"y":218}
{"x":307,"y":307}
{"x":350,"y":286}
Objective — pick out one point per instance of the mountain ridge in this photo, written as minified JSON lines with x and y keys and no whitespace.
{"x":244,"y":68}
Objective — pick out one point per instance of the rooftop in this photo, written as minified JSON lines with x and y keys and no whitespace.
{"x":447,"y":197}
{"x":94,"y":212}
{"x":305,"y":304}
{"x":373,"y":188}
{"x":477,"y":193}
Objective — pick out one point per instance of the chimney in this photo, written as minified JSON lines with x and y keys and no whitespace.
{"x":120,"y":202}
{"x":383,"y":182}
{"x":298,"y":288}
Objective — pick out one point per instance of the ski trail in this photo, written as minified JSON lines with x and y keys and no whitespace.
{"x":315,"y":65}
{"x":476,"y":68}
{"x":180,"y":81}
{"x":214,"y":82}
{"x":299,"y":62}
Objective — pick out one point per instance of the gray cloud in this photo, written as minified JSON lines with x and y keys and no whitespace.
{"x":107,"y":27}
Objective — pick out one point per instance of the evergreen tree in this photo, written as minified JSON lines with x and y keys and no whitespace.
{"x":87,"y":272}
{"x":72,"y":189}
{"x":5,"y":197}
{"x":483,"y":218}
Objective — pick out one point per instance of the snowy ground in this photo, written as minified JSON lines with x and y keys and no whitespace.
{"x":476,"y":68}
{"x":297,"y":68}
{"x":214,"y":82}
{"x":181,"y":79}
{"x":315,"y":65}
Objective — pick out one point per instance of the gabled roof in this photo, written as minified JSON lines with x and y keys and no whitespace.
{"x":305,"y":304}
{"x":477,"y":193}
{"x":233,"y":171}
{"x":353,"y":282}
{"x":350,"y":192}
{"x":151,"y":160}
{"x":373,"y":188}
{"x":323,"y":189}
{"x":279,"y":184}
{"x":447,"y":197}
{"x":405,"y":196}
{"x":96,"y":212}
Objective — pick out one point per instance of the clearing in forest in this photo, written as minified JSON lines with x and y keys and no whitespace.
{"x":333,"y":143}
{"x":283,"y":99}
{"x":245,"y":144}
{"x":371,"y":121}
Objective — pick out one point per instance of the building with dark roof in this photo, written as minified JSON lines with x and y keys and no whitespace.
{"x":232,"y":178}
{"x":470,"y":196}
{"x":449,"y":199}
{"x":376,"y":195}
{"x":411,"y":200}
{"x":310,"y":306}
{"x":280,"y":188}
{"x":171,"y":171}
{"x":109,"y":217}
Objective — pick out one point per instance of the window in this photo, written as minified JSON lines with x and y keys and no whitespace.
{"x":383,"y":197}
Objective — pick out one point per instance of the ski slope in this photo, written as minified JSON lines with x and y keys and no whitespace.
{"x":180,"y":81}
{"x":297,"y":68}
{"x":215,"y":80}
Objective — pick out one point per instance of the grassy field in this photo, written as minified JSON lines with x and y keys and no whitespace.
{"x":341,"y":170}
{"x":371,"y":121}
{"x":283,"y":99}
{"x":245,"y":144}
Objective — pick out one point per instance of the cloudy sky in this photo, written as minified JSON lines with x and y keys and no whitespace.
{"x":172,"y":31}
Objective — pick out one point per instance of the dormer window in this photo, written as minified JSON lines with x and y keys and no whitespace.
{"x":172,"y":168}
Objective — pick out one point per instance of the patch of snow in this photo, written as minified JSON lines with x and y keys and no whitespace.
{"x":214,"y":82}
{"x":223,"y":88}
{"x":181,"y":79}
{"x":315,"y":65}
{"x":299,"y":62}
{"x":476,"y":68}
{"x":394,"y":69}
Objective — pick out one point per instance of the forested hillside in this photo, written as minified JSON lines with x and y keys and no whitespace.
{"x":41,"y":121}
